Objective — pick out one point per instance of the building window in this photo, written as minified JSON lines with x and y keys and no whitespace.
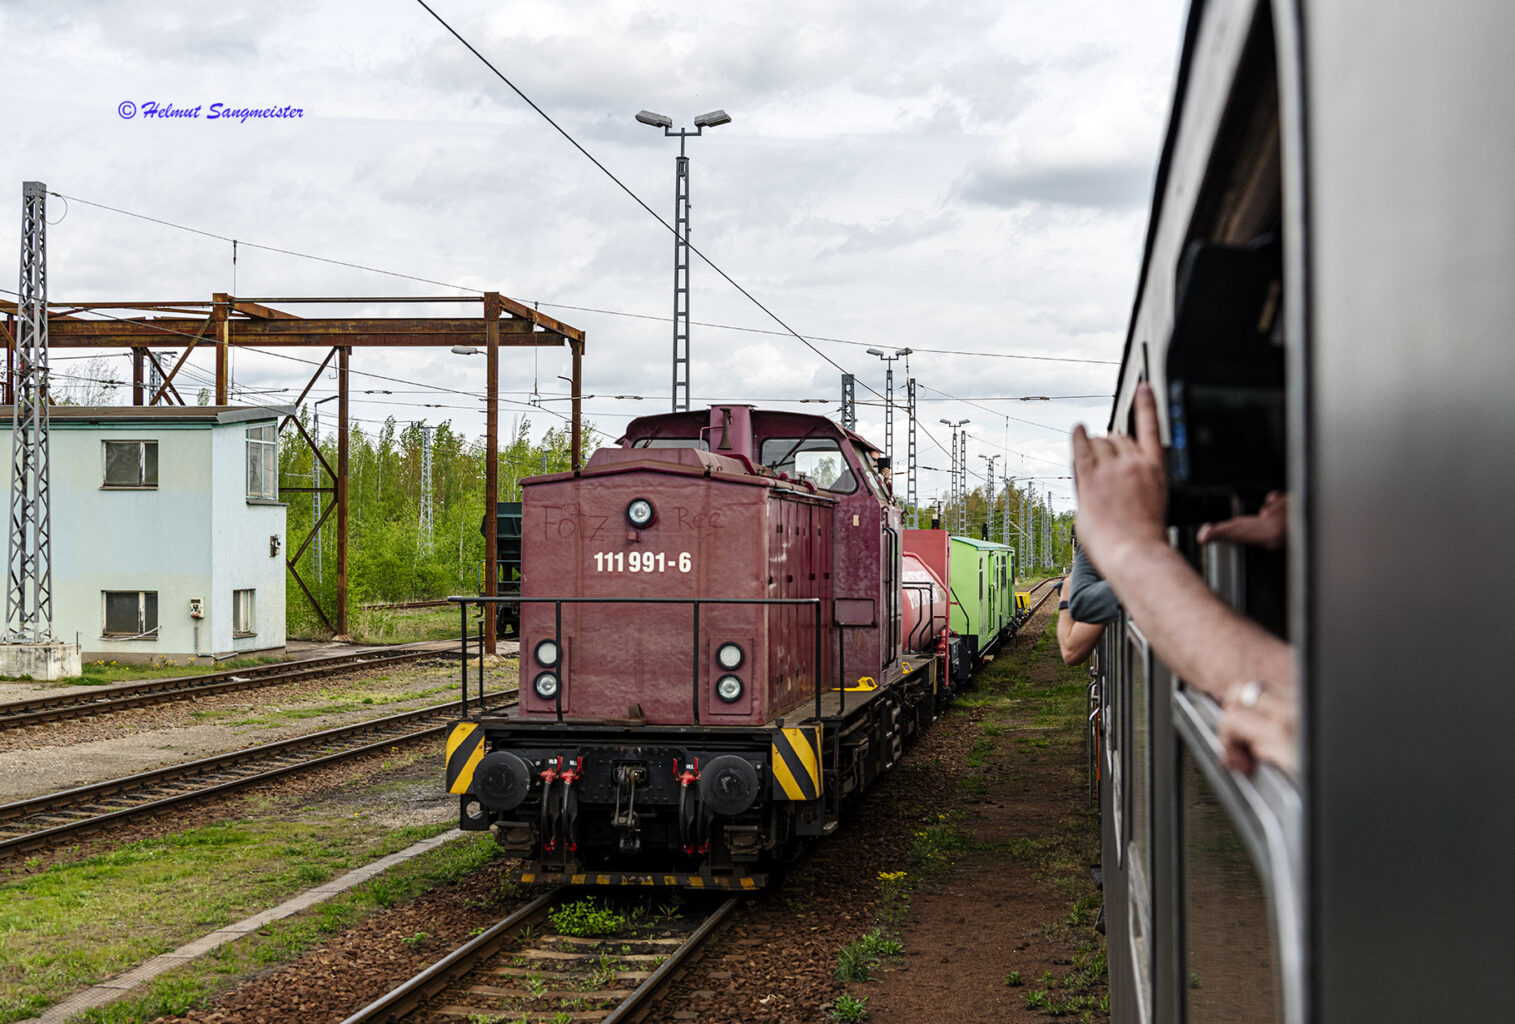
{"x":131,"y":614}
{"x":263,"y":462}
{"x":131,"y":464}
{"x":242,"y":621}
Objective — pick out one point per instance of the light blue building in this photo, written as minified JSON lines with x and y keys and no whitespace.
{"x":167,"y":530}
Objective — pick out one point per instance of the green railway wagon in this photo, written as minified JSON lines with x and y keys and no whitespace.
{"x":983,"y":593}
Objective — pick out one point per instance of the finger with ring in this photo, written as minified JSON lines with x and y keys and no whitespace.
{"x":1250,"y":694}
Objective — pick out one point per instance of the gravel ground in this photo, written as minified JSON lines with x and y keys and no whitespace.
{"x":776,"y":960}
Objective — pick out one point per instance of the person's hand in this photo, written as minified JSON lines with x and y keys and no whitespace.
{"x":1122,"y":484}
{"x":1258,"y":725}
{"x":1269,"y":528}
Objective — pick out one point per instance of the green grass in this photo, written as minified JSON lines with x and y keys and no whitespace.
{"x":406,"y":625}
{"x":180,"y":887}
{"x":855,"y":961}
{"x":365,"y":697}
{"x":1030,"y":708}
{"x":106,"y":673}
{"x":849,"y":1009}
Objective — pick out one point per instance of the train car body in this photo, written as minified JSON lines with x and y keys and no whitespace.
{"x":983,"y":594}
{"x":713,"y":653}
{"x":1324,"y":307}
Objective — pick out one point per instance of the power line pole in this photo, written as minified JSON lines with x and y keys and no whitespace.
{"x":989,"y":512}
{"x":849,"y":402}
{"x":29,"y":593}
{"x":910,"y":479}
{"x":426,"y":521}
{"x":962,"y":485}
{"x":954,"y":500}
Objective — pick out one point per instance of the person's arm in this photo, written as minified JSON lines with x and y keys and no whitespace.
{"x":1122,"y":499}
{"x":1269,"y":528}
{"x":1076,"y":640}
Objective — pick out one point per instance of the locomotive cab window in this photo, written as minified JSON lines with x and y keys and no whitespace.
{"x":698,"y":443}
{"x":820,"y":460}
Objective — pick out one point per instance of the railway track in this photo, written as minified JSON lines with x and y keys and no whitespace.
{"x":44,"y":820}
{"x":525,"y":969}
{"x":109,"y":699}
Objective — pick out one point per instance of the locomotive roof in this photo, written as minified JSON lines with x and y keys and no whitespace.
{"x":764,"y":421}
{"x":985,"y":545}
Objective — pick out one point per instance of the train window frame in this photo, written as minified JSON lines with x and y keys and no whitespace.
{"x":794,"y":446}
{"x":1266,"y":810}
{"x":1138,"y":864}
{"x":864,"y":459}
{"x":696,"y":443}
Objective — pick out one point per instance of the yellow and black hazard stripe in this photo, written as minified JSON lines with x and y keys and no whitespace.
{"x":465,"y":749}
{"x":682,"y":880}
{"x":797,"y":763}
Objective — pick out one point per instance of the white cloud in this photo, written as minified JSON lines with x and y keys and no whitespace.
{"x":948,"y":176}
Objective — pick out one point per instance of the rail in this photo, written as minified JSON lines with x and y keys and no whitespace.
{"x":106,"y":699}
{"x":695,"y":602}
{"x":447,"y":973}
{"x":38,"y":821}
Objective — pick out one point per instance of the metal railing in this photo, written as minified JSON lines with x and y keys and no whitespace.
{"x":696,"y":604}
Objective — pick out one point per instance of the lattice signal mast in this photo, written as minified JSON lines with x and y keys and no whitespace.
{"x":29,"y":589}
{"x":910,"y":495}
{"x":849,"y":401}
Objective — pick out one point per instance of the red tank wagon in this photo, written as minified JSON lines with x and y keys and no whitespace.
{"x":713,"y":653}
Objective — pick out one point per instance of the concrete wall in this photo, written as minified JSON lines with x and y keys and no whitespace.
{"x":240,"y":549}
{"x":195,"y":536}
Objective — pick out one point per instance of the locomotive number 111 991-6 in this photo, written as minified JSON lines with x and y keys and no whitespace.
{"x":642,"y":561}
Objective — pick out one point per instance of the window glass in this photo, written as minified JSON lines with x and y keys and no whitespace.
{"x":131,"y":613}
{"x":1229,"y":969}
{"x":870,"y":473}
{"x":817,"y":459}
{"x":671,"y":442}
{"x":242,"y":623}
{"x":1138,"y":831}
{"x":263,"y":462}
{"x":131,"y":463}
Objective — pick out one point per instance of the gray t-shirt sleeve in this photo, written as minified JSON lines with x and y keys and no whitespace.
{"x":1090,"y":598}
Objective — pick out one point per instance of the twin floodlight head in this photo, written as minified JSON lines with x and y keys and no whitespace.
{"x":710,"y":120}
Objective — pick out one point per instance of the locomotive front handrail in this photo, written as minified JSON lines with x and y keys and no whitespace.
{"x":557,"y":634}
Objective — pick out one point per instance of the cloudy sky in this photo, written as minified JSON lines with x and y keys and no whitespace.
{"x":969,"y":180}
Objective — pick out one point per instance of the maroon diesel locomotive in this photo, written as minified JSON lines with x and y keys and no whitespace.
{"x":715,"y":653}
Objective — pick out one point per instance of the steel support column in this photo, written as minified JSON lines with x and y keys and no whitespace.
{"x":221,"y":316}
{"x":576,"y":435}
{"x":344,"y":357}
{"x":492,"y":462}
{"x":138,"y":383}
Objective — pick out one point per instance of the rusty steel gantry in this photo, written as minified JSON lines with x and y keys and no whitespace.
{"x":227,"y":322}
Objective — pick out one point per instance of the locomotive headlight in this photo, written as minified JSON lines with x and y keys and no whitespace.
{"x":640,"y":513}
{"x":728,"y":688}
{"x":547,"y":653}
{"x":730,"y":656}
{"x":546,"y":685}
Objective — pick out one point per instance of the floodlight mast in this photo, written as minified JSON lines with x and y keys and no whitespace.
{"x":681,"y":243}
